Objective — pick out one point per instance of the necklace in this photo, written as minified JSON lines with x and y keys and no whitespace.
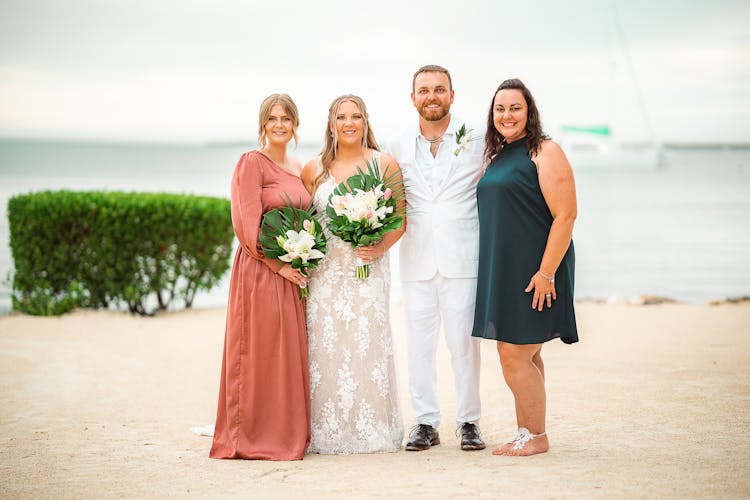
{"x":434,"y":139}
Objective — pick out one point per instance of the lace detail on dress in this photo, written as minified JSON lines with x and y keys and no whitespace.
{"x":353,"y":384}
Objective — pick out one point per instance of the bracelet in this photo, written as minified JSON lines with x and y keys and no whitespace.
{"x":551,"y":279}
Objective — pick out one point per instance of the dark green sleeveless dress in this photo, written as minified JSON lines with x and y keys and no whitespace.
{"x":514,"y":223}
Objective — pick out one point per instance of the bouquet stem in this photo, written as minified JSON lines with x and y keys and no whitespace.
{"x":361,"y":270}
{"x":304,"y":292}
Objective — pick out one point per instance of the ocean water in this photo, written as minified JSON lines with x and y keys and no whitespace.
{"x":680,"y":230}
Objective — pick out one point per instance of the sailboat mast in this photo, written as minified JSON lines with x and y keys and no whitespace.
{"x":631,"y":70}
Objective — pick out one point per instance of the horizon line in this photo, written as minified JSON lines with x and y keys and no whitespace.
{"x":302,"y":144}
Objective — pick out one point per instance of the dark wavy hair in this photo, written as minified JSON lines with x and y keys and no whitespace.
{"x":494,"y":141}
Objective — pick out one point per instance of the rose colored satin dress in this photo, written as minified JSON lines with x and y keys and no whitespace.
{"x":264,"y":396}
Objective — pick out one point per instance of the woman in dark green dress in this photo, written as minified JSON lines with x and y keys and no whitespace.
{"x":527,"y":206}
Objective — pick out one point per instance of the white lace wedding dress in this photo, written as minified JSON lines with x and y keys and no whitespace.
{"x":353,"y":386}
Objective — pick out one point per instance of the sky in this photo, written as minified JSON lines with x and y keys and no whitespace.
{"x":196,"y":71}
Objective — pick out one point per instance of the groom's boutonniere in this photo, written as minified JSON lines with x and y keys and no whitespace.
{"x":463,"y":139}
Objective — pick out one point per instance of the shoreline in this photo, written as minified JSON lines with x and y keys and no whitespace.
{"x":637,"y":300}
{"x":655,"y":300}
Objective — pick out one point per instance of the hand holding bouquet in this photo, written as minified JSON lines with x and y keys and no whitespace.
{"x":363,"y":209}
{"x":292,"y":235}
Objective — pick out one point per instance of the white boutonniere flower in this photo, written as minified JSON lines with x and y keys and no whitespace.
{"x":463,"y":139}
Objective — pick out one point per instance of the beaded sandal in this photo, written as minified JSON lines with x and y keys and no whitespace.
{"x":524,"y":436}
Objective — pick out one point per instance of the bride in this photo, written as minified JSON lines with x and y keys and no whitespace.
{"x":353,"y":385}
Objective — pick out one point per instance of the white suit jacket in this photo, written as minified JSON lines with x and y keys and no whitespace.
{"x":442,"y":230}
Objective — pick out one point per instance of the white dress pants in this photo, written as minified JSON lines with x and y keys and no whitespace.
{"x":426,"y":303}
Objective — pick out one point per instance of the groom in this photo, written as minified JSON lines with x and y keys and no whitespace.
{"x":438,"y":259}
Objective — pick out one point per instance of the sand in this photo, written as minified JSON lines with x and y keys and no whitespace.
{"x":653,"y":402}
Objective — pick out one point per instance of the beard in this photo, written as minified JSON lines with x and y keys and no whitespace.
{"x":434,"y":114}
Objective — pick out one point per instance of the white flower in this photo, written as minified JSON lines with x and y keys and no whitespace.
{"x":300,"y":245}
{"x":339,"y":203}
{"x":465,"y":141}
{"x":464,"y":138}
{"x":362,"y":206}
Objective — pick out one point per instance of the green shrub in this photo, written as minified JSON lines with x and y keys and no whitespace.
{"x":101,"y":249}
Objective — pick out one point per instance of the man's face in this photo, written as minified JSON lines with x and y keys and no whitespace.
{"x":432,"y":95}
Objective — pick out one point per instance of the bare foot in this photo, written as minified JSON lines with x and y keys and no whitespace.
{"x":536,"y":445}
{"x":503,"y":449}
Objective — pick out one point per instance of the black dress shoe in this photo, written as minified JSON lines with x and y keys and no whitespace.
{"x":421,"y":437}
{"x":471,"y":437}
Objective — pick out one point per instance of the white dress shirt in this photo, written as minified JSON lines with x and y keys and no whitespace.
{"x":435,"y":168}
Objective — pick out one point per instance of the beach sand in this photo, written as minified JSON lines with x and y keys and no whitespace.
{"x":653,"y":402}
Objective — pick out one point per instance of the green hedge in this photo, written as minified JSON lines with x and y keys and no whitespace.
{"x":101,"y":249}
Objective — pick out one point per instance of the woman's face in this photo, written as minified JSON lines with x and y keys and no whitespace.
{"x":280,"y":126}
{"x":509,"y":114}
{"x":350,"y":124}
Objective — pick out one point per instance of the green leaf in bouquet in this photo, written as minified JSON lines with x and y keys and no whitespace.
{"x":342,"y":188}
{"x":271,"y":225}
{"x":273,"y":220}
{"x":357,"y":182}
{"x":394,"y":224}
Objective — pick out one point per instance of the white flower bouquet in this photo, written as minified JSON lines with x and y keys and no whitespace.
{"x":363,"y":209}
{"x":292,"y":235}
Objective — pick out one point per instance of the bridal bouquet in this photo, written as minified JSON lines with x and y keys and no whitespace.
{"x":292,"y":235}
{"x":363,"y":209}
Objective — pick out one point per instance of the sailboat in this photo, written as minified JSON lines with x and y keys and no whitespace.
{"x":594,"y":144}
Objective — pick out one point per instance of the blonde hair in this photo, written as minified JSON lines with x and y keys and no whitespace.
{"x":269,"y":102}
{"x":331,"y":141}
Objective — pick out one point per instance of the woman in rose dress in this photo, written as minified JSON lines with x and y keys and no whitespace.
{"x":264,"y":398}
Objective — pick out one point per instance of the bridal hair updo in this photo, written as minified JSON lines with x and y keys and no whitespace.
{"x":269,"y":102}
{"x":494,"y":141}
{"x":331,"y":142}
